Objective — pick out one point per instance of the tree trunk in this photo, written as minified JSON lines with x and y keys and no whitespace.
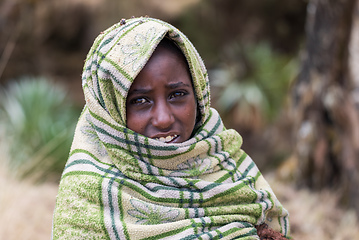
{"x":326,"y":100}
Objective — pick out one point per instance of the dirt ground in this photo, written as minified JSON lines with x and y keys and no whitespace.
{"x":26,"y":211}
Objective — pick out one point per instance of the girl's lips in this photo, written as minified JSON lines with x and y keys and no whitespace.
{"x":167,"y":139}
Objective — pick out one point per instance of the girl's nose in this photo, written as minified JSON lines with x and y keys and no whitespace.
{"x":162,"y":117}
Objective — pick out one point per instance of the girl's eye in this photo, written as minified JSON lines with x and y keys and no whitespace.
{"x":177,"y":94}
{"x":138,"y":101}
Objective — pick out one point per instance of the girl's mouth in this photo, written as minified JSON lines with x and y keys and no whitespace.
{"x":166,"y":139}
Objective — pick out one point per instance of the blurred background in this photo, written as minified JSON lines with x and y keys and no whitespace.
{"x":283,"y":73}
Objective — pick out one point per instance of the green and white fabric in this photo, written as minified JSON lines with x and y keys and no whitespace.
{"x":118,"y":184}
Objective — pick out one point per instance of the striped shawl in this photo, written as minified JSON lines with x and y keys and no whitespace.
{"x":118,"y":184}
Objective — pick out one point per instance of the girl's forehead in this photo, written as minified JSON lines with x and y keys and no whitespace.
{"x":168,"y":59}
{"x":163,"y":64}
{"x":171,"y":46}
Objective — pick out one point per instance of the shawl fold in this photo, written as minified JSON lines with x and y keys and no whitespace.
{"x":118,"y":184}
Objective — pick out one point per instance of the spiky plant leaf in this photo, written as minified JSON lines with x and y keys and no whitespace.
{"x":38,"y":121}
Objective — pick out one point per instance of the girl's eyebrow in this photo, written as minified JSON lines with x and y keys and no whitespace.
{"x":139,"y":91}
{"x":147,"y":90}
{"x":177,"y":85}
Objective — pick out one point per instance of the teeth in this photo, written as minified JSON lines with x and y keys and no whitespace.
{"x":166,"y":139}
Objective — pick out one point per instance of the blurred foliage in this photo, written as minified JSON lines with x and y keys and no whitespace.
{"x":255,"y":80}
{"x":38,"y":121}
{"x":213,"y":24}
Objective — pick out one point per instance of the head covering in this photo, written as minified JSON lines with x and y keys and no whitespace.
{"x":118,"y":184}
{"x":119,"y":54}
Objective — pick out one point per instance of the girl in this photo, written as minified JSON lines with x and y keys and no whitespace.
{"x":150,"y":159}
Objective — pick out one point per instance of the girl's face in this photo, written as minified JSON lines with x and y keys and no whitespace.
{"x":161,"y":103}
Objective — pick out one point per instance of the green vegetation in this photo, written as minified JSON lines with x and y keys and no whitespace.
{"x":37,"y":122}
{"x":255,"y":80}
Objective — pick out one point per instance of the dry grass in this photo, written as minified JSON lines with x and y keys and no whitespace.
{"x":26,"y":211}
{"x":315,"y":215}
